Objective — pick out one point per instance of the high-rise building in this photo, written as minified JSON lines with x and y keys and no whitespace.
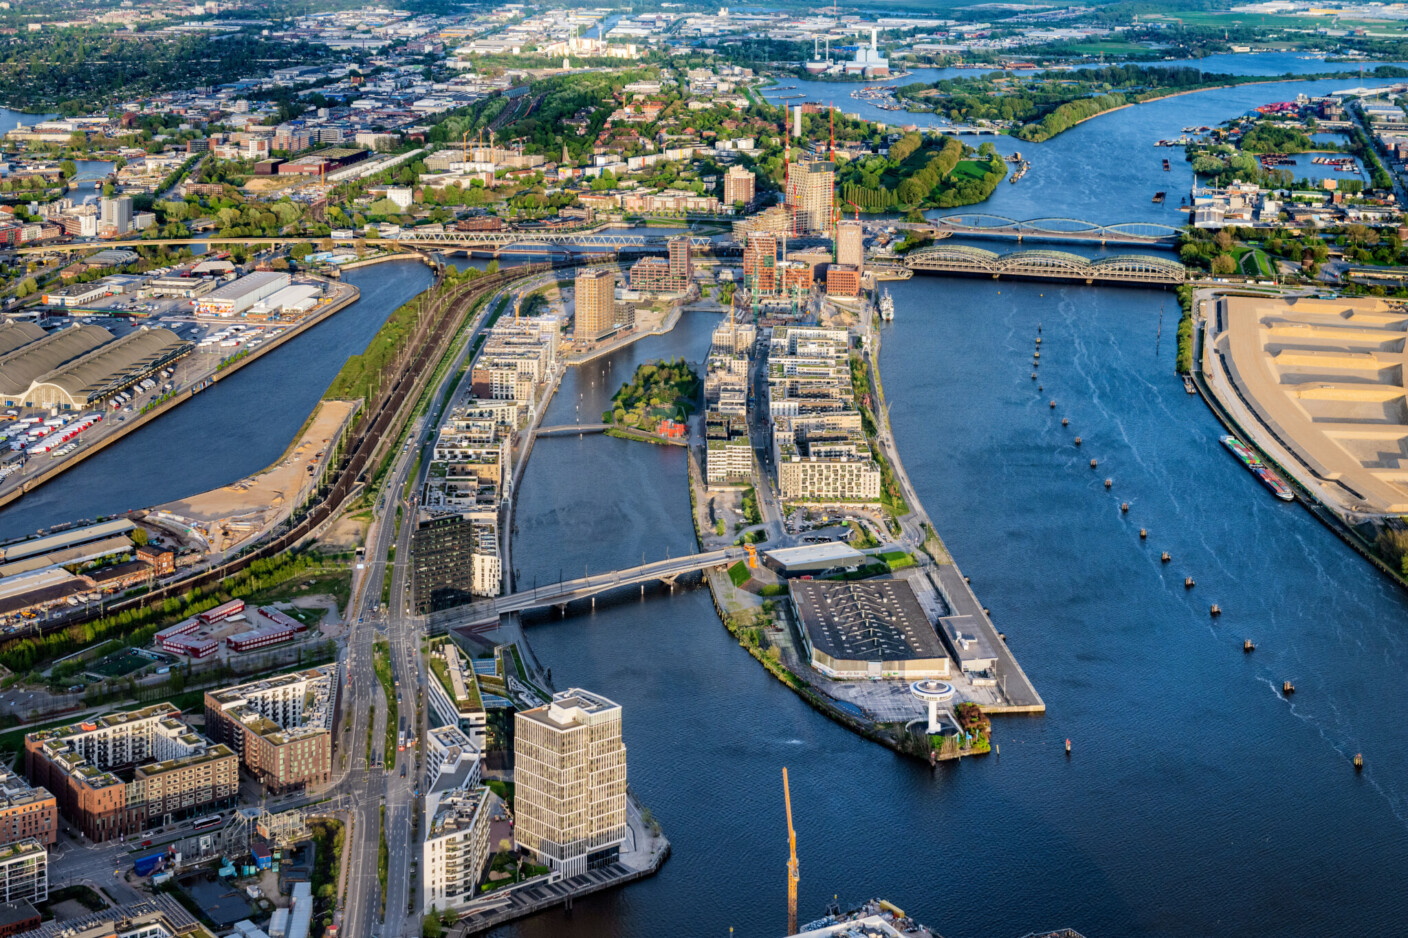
{"x":739,"y":186}
{"x":570,"y":782}
{"x":850,"y":244}
{"x":456,"y":849}
{"x":116,"y":215}
{"x":760,"y":263}
{"x":596,"y":302}
{"x":811,"y":188}
{"x":681,"y":263}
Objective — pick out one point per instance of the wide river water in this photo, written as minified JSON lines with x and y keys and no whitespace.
{"x":1197,"y":800}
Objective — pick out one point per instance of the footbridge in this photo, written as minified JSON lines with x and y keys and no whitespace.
{"x":573,"y":429}
{"x":587,"y":587}
{"x":982,"y":224}
{"x":1048,"y":265}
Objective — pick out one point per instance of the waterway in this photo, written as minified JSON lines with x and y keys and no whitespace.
{"x":1197,"y":800}
{"x":230,"y":430}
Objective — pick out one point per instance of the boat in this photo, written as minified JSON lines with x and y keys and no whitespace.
{"x":1256,"y":467}
{"x":1167,"y":168}
{"x":887,"y":306}
{"x":1159,"y":197}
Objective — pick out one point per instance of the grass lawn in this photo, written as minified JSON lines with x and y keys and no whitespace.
{"x":1255,"y":263}
{"x":970,"y":169}
{"x":738,"y":574}
{"x":337,"y":584}
{"x":120,"y":664}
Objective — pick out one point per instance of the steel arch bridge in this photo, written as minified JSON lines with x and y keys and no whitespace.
{"x":985,"y":223}
{"x":1048,"y":265}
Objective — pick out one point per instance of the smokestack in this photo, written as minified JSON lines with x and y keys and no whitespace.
{"x":873,"y":32}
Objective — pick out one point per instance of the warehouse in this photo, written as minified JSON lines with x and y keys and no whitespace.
{"x":239,"y":295}
{"x":79,"y":294}
{"x":868,"y":629}
{"x":813,"y":559}
{"x":21,"y":368}
{"x":292,"y":300}
{"x":15,"y":335}
{"x":106,"y":370}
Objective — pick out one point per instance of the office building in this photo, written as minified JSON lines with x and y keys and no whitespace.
{"x":811,"y":186}
{"x":595,"y":303}
{"x":740,"y":187}
{"x":175,"y":772}
{"x":681,"y":262}
{"x":281,"y":727}
{"x":570,"y":782}
{"x":26,"y":811}
{"x":760,"y":263}
{"x":842,"y":280}
{"x":850,"y":244}
{"x":455,"y":557}
{"x":456,"y":849}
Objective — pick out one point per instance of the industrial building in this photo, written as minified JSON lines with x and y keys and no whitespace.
{"x":456,"y":849}
{"x":122,"y":772}
{"x":84,"y":365}
{"x":239,"y":295}
{"x":281,"y":727}
{"x":867,"y":629}
{"x":14,"y":335}
{"x":570,"y":782}
{"x":159,"y":916}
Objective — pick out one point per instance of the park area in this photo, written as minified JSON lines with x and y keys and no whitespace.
{"x":658,"y":399}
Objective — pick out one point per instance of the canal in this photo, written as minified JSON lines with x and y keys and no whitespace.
{"x":233,"y":428}
{"x":1196,"y":801}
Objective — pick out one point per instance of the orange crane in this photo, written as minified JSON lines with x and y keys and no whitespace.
{"x":792,"y":875}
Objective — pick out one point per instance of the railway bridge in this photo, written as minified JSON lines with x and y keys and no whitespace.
{"x":1048,"y":265}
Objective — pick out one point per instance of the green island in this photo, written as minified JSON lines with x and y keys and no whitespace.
{"x":658,"y":396}
{"x":1036,"y":107}
{"x":921,"y":172}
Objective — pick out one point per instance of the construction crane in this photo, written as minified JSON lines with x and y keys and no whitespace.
{"x":792,"y":876}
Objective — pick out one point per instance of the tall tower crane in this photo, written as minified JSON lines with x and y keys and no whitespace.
{"x":792,"y":875}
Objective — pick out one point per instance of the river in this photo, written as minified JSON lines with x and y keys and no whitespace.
{"x":234,"y":428}
{"x":1197,"y":800}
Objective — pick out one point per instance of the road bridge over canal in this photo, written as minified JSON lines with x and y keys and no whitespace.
{"x":587,"y":587}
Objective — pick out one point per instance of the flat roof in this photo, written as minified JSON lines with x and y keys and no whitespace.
{"x":834,"y":554}
{"x":41,"y":545}
{"x":868,"y":620}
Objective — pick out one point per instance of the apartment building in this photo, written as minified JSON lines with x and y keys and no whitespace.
{"x":175,"y":772}
{"x":456,"y":849}
{"x":595,"y":303}
{"x":760,"y":262}
{"x":281,"y":727}
{"x":24,"y":872}
{"x":26,"y":811}
{"x":453,"y":690}
{"x":811,"y":186}
{"x":739,"y":186}
{"x":728,"y":451}
{"x":570,"y":782}
{"x":455,"y":557}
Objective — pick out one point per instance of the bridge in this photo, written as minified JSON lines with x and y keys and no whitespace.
{"x":573,"y":429}
{"x":1048,"y":265}
{"x":587,"y":587}
{"x":982,"y":224}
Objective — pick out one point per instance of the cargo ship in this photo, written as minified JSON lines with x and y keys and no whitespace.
{"x":1256,"y":467}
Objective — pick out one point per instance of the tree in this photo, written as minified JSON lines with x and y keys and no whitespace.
{"x":69,"y":168}
{"x":1223,"y":240}
{"x":430,"y":926}
{"x":301,"y":250}
{"x":139,"y":536}
{"x":1223,"y":264}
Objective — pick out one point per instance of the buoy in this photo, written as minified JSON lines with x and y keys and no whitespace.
{"x":1247,"y":646}
{"x":1093,"y":464}
{"x":1359,"y":762}
{"x":1040,"y":388}
{"x":1038,"y":325}
{"x":1077,"y":441}
{"x":1052,"y":404}
{"x":1068,"y":745}
{"x":1216,"y":610}
{"x":1065,"y":421}
{"x":1033,"y":375}
{"x":1109,"y":482}
{"x":1124,"y":506}
{"x":1165,"y":557}
{"x":1143,"y":533}
{"x":1187,"y":582}
{"x":1287,"y":688}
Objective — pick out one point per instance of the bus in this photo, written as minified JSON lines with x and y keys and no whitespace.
{"x":206,"y":823}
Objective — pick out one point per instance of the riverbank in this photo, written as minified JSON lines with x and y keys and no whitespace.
{"x":346,"y":294}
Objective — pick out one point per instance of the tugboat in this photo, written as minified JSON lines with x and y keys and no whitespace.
{"x":1258,"y":468}
{"x":887,"y":306}
{"x":1159,"y":197}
